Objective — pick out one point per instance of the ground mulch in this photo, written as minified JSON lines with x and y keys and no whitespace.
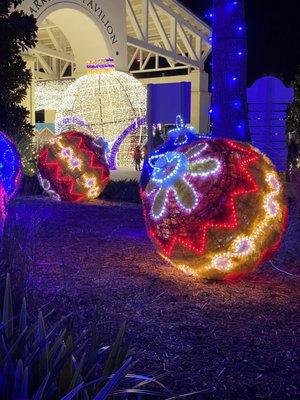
{"x":226,"y":341}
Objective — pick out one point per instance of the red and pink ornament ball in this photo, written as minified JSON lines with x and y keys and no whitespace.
{"x":214,"y":208}
{"x":73,"y":167}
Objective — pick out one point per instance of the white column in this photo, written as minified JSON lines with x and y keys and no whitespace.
{"x":201,"y":101}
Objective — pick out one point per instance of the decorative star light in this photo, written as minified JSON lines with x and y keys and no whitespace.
{"x":171,"y":175}
{"x":243,"y":246}
{"x":67,"y":152}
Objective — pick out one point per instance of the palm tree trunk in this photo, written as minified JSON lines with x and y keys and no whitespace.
{"x":229,"y":70}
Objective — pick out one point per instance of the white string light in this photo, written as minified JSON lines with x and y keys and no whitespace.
{"x":109,"y":101}
{"x":49,"y":94}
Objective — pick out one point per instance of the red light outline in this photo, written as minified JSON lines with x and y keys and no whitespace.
{"x":199,"y":249}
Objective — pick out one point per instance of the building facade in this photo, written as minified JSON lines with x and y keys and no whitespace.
{"x":156,"y":41}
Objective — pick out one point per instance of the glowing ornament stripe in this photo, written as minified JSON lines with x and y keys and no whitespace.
{"x":112,"y":158}
{"x":271,"y":211}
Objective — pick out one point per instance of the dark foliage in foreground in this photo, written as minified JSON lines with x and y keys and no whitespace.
{"x":30,"y":186}
{"x":18,"y":33}
{"x":124,"y":190}
{"x":39,"y":360}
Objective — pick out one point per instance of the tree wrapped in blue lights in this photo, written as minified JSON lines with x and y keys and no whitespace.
{"x":229,"y":70}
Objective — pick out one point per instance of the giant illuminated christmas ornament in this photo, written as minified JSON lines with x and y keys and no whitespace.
{"x":2,"y":209}
{"x":214,"y":208}
{"x":10,"y":167}
{"x":73,"y":167}
{"x":180,"y":136}
{"x":113,"y":103}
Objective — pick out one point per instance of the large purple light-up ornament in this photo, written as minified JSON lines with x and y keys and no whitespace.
{"x":112,"y":159}
{"x":229,"y":70}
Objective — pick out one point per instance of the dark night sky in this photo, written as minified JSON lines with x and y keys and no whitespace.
{"x":273,"y":35}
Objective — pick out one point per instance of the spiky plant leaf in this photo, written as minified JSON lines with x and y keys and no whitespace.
{"x":18,"y":381}
{"x":66,"y":373}
{"x":23,"y":317}
{"x":118,"y":353}
{"x":32,"y":329}
{"x":55,"y":348}
{"x":40,"y":391}
{"x":138,"y":392}
{"x":92,"y":361}
{"x":51,"y":358}
{"x":17,"y":347}
{"x":25,"y":383}
{"x":56,"y":370}
{"x":43,"y":363}
{"x":73,"y":393}
{"x":77,"y":375}
{"x":114,"y":380}
{"x":7,"y":313}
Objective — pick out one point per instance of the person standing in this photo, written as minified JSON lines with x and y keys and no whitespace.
{"x":137,"y":158}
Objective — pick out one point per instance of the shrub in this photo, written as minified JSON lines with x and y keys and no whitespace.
{"x":124,"y":190}
{"x":40,"y":361}
{"x":30,"y":186}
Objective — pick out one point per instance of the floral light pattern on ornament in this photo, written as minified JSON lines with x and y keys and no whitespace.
{"x":171,"y":176}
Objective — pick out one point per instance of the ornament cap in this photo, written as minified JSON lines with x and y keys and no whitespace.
{"x":100,"y":65}
{"x":179,"y":122}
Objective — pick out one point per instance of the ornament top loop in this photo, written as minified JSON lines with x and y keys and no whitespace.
{"x":179,"y":122}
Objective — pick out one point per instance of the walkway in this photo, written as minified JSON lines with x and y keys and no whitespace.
{"x":124,"y":173}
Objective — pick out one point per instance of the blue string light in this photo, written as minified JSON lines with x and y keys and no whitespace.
{"x":229,"y":71}
{"x":180,"y":136}
{"x":10,"y":166}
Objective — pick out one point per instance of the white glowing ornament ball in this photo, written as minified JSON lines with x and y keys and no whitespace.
{"x":109,"y":101}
